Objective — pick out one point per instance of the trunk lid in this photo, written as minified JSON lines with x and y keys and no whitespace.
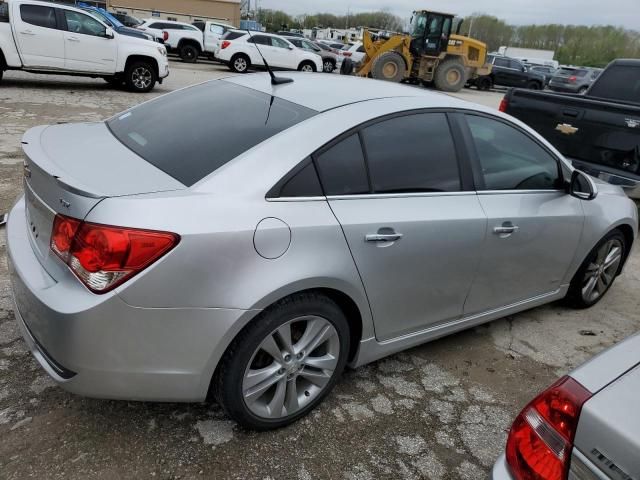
{"x":69,"y":169}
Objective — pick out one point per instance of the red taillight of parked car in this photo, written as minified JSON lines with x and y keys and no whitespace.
{"x":104,"y":256}
{"x":346,"y":54}
{"x":165,"y":36}
{"x":573,"y":79}
{"x":504,"y":104}
{"x":225,"y":44}
{"x":541,"y":438}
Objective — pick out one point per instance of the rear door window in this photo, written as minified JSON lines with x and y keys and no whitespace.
{"x":4,"y":12}
{"x":412,"y":154}
{"x":38,"y":15}
{"x":185,"y":135}
{"x":342,"y":169}
{"x":233,"y":35}
{"x":618,"y":82}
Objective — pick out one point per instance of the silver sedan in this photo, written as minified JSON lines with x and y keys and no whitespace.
{"x":246,"y":241}
{"x":585,"y":426}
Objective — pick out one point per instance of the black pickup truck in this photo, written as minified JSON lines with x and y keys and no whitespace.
{"x":599,"y":132}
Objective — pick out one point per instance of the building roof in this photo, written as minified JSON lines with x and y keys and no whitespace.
{"x":321,"y":91}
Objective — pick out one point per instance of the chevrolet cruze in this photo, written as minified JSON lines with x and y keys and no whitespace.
{"x":246,"y":241}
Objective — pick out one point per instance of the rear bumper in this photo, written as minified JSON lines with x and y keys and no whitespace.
{"x":564,"y":88}
{"x":500,"y":470}
{"x":99,"y":346}
{"x":631,"y":186}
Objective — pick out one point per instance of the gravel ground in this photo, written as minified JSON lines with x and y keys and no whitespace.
{"x":439,"y":411}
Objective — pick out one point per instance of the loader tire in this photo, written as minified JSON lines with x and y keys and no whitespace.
{"x":389,"y":66}
{"x":450,"y":76}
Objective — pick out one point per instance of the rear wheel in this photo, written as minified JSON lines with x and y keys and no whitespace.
{"x":597,"y":273}
{"x":450,"y":76}
{"x":347,"y":67}
{"x":189,"y":53}
{"x":328,"y":66}
{"x":534,"y":86}
{"x":484,"y":83}
{"x":140,"y":77}
{"x":239,"y":63}
{"x":389,"y":66}
{"x":307,"y":67}
{"x":283,"y":365}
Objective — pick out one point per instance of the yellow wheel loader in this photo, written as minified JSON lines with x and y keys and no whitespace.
{"x":431,"y":54}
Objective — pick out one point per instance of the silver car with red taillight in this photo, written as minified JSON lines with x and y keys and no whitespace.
{"x":171,"y":254}
{"x":584,"y":427}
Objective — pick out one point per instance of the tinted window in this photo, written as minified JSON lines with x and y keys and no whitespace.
{"x":414,"y":153}
{"x":510,"y":160}
{"x":323,"y":47}
{"x":157,"y":25}
{"x":515,"y":64}
{"x":297,"y":43}
{"x":304,"y":183}
{"x":83,"y":24}
{"x":501,"y":62}
{"x":4,"y":12}
{"x":360,"y":49}
{"x":38,"y":15}
{"x":232,"y":35}
{"x":179,"y":134}
{"x":260,"y":40}
{"x":341,"y":168}
{"x":618,"y":82}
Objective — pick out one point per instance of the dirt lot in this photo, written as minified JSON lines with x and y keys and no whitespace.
{"x":438,"y":411}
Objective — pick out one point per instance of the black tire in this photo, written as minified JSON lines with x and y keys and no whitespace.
{"x":189,"y":53}
{"x":1,"y":74}
{"x":240,"y":63}
{"x":328,"y":66}
{"x":576,"y":295}
{"x":347,"y":67}
{"x":484,"y":84}
{"x":534,"y":86}
{"x":583,"y":90}
{"x":389,"y":66}
{"x":140,"y":76}
{"x":307,"y":66}
{"x":450,"y":76}
{"x":227,"y":383}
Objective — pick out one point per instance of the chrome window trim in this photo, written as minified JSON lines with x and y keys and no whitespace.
{"x":364,"y":196}
{"x":297,"y":199}
{"x":513,"y":192}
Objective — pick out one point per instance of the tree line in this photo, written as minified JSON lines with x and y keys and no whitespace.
{"x":592,"y":46}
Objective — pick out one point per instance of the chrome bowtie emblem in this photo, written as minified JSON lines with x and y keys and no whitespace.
{"x":64,"y":203}
{"x":566,"y":128}
{"x":632,"y":122}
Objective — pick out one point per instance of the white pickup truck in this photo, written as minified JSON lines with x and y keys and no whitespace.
{"x":45,"y":37}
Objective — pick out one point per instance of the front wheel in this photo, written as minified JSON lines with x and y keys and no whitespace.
{"x":450,"y":76}
{"x":284,"y":363}
{"x":307,"y":67}
{"x":597,"y":273}
{"x":484,"y":83}
{"x":328,"y":66}
{"x":534,"y":86}
{"x":141,"y":77}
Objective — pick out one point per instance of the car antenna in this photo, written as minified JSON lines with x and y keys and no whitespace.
{"x":274,"y":80}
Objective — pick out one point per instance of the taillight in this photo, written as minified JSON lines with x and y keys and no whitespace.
{"x":165,"y":36}
{"x":573,"y":79}
{"x":541,"y":438}
{"x":504,"y":104}
{"x":104,"y":256}
{"x":225,"y":44}
{"x":347,"y":54}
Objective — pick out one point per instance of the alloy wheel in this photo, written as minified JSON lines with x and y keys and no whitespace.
{"x":328,"y":67}
{"x":141,"y":78}
{"x":306,"y":68}
{"x":602,"y":270}
{"x":291,"y":367}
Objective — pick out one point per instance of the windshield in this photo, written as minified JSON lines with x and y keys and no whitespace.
{"x":418,"y":25}
{"x":106,"y":17}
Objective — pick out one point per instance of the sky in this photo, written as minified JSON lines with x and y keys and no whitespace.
{"x":624,"y":13}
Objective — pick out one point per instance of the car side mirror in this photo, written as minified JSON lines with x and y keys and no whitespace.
{"x":582,"y":186}
{"x":108,"y":33}
{"x":291,"y":47}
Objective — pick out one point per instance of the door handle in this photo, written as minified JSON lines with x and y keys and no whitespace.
{"x":73,"y":39}
{"x":506,"y":229}
{"x":383,"y":237}
{"x":27,"y":32}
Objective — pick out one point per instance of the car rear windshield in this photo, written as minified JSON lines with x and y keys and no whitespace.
{"x":618,"y":82}
{"x":230,"y":35}
{"x":193,"y":132}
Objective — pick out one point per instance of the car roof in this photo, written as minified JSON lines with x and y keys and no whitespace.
{"x":344,"y":90}
{"x":156,"y":19}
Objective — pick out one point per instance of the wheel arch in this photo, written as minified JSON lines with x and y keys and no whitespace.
{"x":135,"y":58}
{"x":190,"y":41}
{"x":629,"y":237}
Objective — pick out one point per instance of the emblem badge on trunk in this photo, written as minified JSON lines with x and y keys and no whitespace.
{"x":566,"y":128}
{"x":64,"y":203}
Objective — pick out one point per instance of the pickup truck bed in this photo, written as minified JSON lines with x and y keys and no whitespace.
{"x":598,"y":133}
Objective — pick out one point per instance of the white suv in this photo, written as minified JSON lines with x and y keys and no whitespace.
{"x":182,"y":38}
{"x":241,"y":53}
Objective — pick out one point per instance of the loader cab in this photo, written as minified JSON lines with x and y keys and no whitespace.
{"x":430,"y":32}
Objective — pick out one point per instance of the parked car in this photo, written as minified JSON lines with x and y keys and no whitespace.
{"x":545,"y":70}
{"x":329,"y":59}
{"x":509,"y":72}
{"x":182,"y":38}
{"x":258,"y":273}
{"x":212,"y":32}
{"x":585,"y":426}
{"x":241,"y":54}
{"x":599,"y":132}
{"x":355,"y":52}
{"x":45,"y":37}
{"x":127,"y":20}
{"x":573,"y":80}
{"x":111,"y":21}
{"x":336,"y":46}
